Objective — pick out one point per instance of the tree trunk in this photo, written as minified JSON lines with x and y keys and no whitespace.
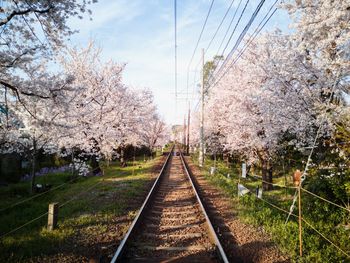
{"x":122,"y":160}
{"x":151,"y":152}
{"x":95,"y":165}
{"x":269,"y":174}
{"x":73,"y":167}
{"x":266,"y":173}
{"x":33,"y":167}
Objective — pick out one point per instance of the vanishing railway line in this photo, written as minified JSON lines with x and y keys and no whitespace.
{"x":172,"y":224}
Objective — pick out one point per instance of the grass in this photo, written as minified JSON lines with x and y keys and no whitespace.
{"x":254,"y":211}
{"x":92,"y":203}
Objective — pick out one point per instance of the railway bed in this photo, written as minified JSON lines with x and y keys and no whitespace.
{"x":172,"y":224}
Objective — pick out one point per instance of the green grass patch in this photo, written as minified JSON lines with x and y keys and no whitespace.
{"x":91,"y":203}
{"x":251,"y":210}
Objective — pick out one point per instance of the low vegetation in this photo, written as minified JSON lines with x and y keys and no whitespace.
{"x":90,"y":206}
{"x":330,"y":220}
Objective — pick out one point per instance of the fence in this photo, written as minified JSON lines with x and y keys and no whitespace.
{"x":302,"y":222}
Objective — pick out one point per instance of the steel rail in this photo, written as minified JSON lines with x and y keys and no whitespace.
{"x":140,"y":214}
{"x":220,"y":251}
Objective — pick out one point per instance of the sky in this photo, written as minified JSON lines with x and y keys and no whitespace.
{"x":141,"y":34}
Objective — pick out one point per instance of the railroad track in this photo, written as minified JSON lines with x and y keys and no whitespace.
{"x":172,"y":224}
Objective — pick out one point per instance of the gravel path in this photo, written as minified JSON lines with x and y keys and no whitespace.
{"x":174,"y":229}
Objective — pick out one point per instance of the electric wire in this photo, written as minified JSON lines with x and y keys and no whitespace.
{"x":240,"y":38}
{"x":217,"y":30}
{"x":201,"y":33}
{"x":243,"y":50}
{"x":222,"y":41}
{"x":257,"y":31}
{"x":43,"y":193}
{"x":229,"y":27}
{"x":234,"y":30}
{"x":199,"y":39}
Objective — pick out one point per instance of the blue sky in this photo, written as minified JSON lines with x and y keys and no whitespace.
{"x":141,"y":34}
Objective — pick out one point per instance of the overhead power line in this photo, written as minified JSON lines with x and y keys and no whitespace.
{"x":241,"y":36}
{"x":234,"y":30}
{"x":199,"y":39}
{"x":229,"y":27}
{"x":258,"y":29}
{"x":230,"y":38}
{"x":217,"y":30}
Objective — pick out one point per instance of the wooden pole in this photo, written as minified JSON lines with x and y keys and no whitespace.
{"x":201,"y":146}
{"x":184,"y":136}
{"x":52,"y":216}
{"x":188,"y":129}
{"x":300,"y":221}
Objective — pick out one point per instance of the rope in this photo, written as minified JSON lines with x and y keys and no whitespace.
{"x":322,"y":235}
{"x":307,"y":223}
{"x":37,"y":218}
{"x":282,"y":186}
{"x":260,"y":178}
{"x":324,"y":199}
{"x":303,"y":176}
{"x":41,"y":194}
{"x":81,"y":193}
{"x":35,"y":196}
{"x":277,"y":207}
{"x":20,"y":227}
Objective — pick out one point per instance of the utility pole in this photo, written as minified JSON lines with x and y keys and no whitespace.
{"x":184,"y":134}
{"x":188,"y":129}
{"x":175,"y":55}
{"x":201,"y":147}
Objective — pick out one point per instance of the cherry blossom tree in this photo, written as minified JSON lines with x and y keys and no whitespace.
{"x":154,"y":132}
{"x":103,"y":114}
{"x":260,"y":99}
{"x":29,"y":32}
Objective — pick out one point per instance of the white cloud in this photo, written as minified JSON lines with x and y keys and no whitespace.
{"x":105,"y":13}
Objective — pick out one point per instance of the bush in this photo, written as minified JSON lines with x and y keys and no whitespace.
{"x":10,"y":168}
